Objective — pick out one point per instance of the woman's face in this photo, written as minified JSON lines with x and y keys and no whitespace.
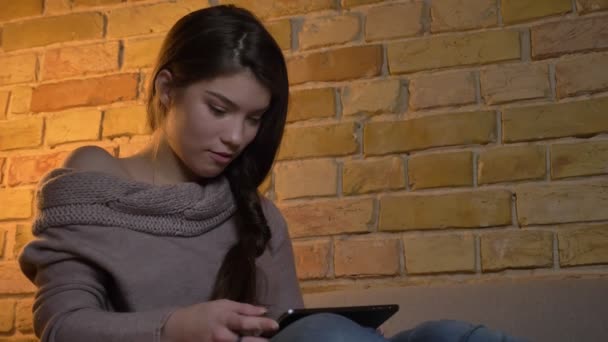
{"x":210,"y":122}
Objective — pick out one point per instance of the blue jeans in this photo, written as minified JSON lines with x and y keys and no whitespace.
{"x":335,"y":328}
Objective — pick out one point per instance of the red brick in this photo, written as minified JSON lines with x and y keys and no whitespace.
{"x":562,"y":203}
{"x":472,"y":209}
{"x":515,"y":82}
{"x":80,"y":60}
{"x":443,"y":89}
{"x":369,"y":257}
{"x":336,"y":65}
{"x":452,"y":15}
{"x":581,"y":159}
{"x":312,"y":258}
{"x":50,"y":30}
{"x":568,"y":36}
{"x":555,"y":120}
{"x":430,"y":131}
{"x":18,"y":68}
{"x":455,"y":50}
{"x":393,"y":21}
{"x":439,"y":253}
{"x":585,"y":6}
{"x":516,"y":249}
{"x":144,"y":19}
{"x":583,"y":245}
{"x":324,"y":31}
{"x":311,"y":103}
{"x":12,"y":280}
{"x":328,"y":217}
{"x":306,"y":178}
{"x":88,"y":92}
{"x":271,"y":8}
{"x":318,"y":141}
{"x":581,"y":74}
{"x":12,"y":9}
{"x":30,"y":169}
{"x":514,"y":11}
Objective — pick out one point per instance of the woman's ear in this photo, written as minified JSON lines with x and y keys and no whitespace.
{"x":163,"y":87}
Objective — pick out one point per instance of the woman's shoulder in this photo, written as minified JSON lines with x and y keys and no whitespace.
{"x":95,"y":158}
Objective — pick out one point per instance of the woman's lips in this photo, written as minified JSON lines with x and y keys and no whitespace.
{"x":221,"y":158}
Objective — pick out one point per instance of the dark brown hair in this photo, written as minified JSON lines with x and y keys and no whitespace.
{"x":218,"y":41}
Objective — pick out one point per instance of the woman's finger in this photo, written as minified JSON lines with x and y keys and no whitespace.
{"x":244,"y":323}
{"x":247,"y":309}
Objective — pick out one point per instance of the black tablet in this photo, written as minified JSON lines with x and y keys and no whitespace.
{"x":368,"y":316}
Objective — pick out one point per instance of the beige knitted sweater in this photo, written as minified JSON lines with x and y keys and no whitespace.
{"x":113,"y":257}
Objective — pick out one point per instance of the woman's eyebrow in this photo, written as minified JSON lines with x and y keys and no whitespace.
{"x":223,"y":99}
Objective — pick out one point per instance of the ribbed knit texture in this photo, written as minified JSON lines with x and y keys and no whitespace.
{"x":70,"y":197}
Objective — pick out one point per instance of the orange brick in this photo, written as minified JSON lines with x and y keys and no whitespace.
{"x":472,"y":48}
{"x":125,"y":121}
{"x":271,"y":8}
{"x":144,"y":19}
{"x":515,"y":82}
{"x":354,"y":3}
{"x":311,"y":103}
{"x":336,"y":65}
{"x":12,"y":280}
{"x":72,"y":126}
{"x":312,"y":258}
{"x":328,"y":217}
{"x":50,"y":30}
{"x":85,"y":3}
{"x":553,"y":121}
{"x":393,"y":21}
{"x":2,"y":235}
{"x":581,"y":159}
{"x":4,"y":97}
{"x":21,"y":98}
{"x":80,"y":60}
{"x":516,"y":163}
{"x":30,"y":169}
{"x":305,"y":178}
{"x":17,"y":204}
{"x":281,"y":32}
{"x":371,"y":97}
{"x":18,"y":68}
{"x":141,"y":53}
{"x":318,"y":32}
{"x":437,"y":254}
{"x":471,"y":209}
{"x":23,"y":133}
{"x":568,"y":36}
{"x":7,"y":315}
{"x":23,"y":235}
{"x":430,"y":131}
{"x":561,"y":203}
{"x":443,"y":89}
{"x":57,"y":6}
{"x":582,"y":74}
{"x":318,"y":141}
{"x":12,"y":9}
{"x":88,"y":92}
{"x":440,"y":169}
{"x":583,"y":245}
{"x":21,"y":339}
{"x":364,"y":176}
{"x":23,"y":318}
{"x":584,"y":6}
{"x":519,"y":249}
{"x":514,"y":11}
{"x":452,"y":15}
{"x":369,"y":257}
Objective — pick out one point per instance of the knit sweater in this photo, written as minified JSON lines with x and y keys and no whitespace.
{"x":113,"y":257}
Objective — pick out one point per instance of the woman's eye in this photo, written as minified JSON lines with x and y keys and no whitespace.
{"x":254,"y":120}
{"x":217,"y":110}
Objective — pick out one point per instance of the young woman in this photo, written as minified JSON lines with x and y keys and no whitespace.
{"x":175,"y":244}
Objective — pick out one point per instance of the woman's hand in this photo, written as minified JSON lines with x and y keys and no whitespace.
{"x":218,"y":321}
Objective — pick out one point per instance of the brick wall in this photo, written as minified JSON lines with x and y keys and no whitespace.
{"x":428,"y":141}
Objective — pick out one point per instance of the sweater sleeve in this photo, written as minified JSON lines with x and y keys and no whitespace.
{"x":284,"y":288}
{"x":72,"y":300}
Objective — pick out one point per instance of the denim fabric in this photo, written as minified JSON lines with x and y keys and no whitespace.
{"x":334,"y":328}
